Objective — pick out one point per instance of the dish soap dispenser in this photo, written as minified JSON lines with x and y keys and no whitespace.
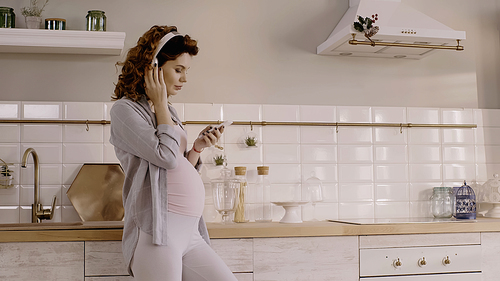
{"x":465,"y":203}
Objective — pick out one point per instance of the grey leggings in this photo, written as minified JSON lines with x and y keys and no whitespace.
{"x":186,"y":256}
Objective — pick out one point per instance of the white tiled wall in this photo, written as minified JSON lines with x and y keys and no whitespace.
{"x":367,"y":172}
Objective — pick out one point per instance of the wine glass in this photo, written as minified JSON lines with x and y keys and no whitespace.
{"x":315,"y":190}
{"x":225,"y":194}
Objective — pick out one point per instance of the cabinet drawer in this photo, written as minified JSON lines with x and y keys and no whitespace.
{"x":382,"y":262}
{"x":236,"y":253}
{"x":419,"y":240}
{"x":104,"y":258}
{"x":306,"y":258}
{"x":110,"y":278}
{"x":41,"y":261}
{"x":244,"y":276}
{"x":437,"y":277}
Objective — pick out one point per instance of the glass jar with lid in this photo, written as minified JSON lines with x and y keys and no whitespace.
{"x":225,"y":193}
{"x":442,"y":202}
{"x":263,"y":192}
{"x":7,"y":17}
{"x":241,"y":213}
{"x":96,"y":21}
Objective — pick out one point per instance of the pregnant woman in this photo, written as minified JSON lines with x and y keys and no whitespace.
{"x":164,"y":235}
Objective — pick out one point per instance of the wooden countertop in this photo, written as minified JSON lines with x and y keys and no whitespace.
{"x":102,"y":231}
{"x":76,"y":231}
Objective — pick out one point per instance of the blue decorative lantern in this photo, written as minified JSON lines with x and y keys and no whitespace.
{"x":465,"y":203}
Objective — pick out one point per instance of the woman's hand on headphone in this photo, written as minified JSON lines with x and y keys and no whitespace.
{"x":156,"y":89}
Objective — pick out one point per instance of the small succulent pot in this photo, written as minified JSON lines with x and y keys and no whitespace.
{"x":250,"y":140}
{"x":33,"y":22}
{"x":219,"y":159}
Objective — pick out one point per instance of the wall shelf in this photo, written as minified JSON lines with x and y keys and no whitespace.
{"x":42,"y":41}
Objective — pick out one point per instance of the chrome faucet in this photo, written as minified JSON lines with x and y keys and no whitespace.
{"x":37,"y":211}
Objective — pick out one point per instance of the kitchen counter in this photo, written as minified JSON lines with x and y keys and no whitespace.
{"x":112,"y":231}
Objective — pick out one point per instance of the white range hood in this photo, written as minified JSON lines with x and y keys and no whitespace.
{"x":398,"y":24}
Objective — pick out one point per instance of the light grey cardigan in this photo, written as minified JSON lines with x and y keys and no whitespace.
{"x":145,"y":151}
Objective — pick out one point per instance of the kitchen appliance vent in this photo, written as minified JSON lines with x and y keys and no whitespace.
{"x":403,"y":33}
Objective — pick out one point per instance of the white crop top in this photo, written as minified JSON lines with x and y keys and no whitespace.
{"x":185,"y":189}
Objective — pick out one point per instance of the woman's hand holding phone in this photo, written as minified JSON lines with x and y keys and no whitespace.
{"x":208,"y":137}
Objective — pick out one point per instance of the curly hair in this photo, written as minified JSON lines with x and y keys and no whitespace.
{"x":131,"y":80}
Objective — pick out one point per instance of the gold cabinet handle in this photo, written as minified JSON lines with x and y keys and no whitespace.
{"x":422,"y":262}
{"x":447,"y":261}
{"x":397,"y":263}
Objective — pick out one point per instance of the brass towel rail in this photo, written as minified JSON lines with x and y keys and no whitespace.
{"x":335,"y":124}
{"x":84,"y":122}
{"x":258,"y":123}
{"x":90,"y":122}
{"x":353,"y":41}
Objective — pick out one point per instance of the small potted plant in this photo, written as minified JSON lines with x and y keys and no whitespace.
{"x":219,"y":159}
{"x":251,"y":141}
{"x":33,"y":14}
{"x":5,"y":177}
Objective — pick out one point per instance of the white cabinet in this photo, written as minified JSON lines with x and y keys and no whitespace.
{"x":306,"y":258}
{"x":262,"y":259}
{"x":41,"y":261}
{"x":420,"y":257}
{"x":490,"y":246}
{"x":419,"y":260}
{"x":104,"y":259}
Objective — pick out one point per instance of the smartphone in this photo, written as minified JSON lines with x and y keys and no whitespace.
{"x":225,"y":124}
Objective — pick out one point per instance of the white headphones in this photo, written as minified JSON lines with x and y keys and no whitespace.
{"x":162,"y":43}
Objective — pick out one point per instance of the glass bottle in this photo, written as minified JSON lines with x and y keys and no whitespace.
{"x":96,"y":21}
{"x":7,"y":17}
{"x":466,"y":203}
{"x":454,"y":201}
{"x":314,"y":189}
{"x":442,"y":202}
{"x":239,"y":214}
{"x":263,"y":191}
